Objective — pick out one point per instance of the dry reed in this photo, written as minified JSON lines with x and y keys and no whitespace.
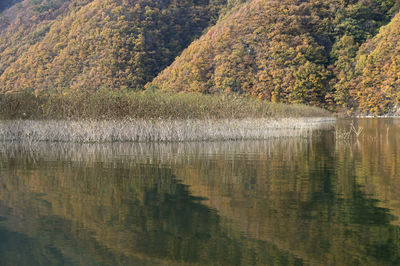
{"x":346,"y":134}
{"x":119,"y":105}
{"x":87,"y":131}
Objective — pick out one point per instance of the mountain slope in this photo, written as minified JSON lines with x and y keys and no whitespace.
{"x":256,"y":52}
{"x":23,"y":25}
{"x":4,"y":4}
{"x":377,"y":86}
{"x":116,"y":44}
{"x":289,"y":50}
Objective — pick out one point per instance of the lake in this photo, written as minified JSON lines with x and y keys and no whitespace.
{"x":315,"y":200}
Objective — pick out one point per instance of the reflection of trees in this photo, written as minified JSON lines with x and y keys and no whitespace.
{"x":12,"y":245}
{"x":120,"y":214}
{"x":228,"y":203}
{"x":309,"y":202}
{"x":377,"y":163}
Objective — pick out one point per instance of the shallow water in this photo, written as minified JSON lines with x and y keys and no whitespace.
{"x":294,"y":201}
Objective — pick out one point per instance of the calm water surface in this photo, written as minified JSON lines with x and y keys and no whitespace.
{"x":307,"y":201}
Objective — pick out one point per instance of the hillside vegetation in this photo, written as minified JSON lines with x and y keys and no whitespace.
{"x":283,"y":51}
{"x":339,"y":55}
{"x":377,"y":86}
{"x":4,"y":4}
{"x":115,"y":44}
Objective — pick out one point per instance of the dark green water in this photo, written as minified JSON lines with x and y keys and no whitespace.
{"x":314,"y":201}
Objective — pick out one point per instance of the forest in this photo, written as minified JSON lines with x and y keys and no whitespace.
{"x":7,"y":3}
{"x":340,"y":55}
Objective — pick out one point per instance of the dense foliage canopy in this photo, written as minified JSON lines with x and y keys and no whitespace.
{"x":116,"y":44}
{"x":289,"y":50}
{"x":318,"y":52}
{"x":7,"y":3}
{"x":377,"y":84}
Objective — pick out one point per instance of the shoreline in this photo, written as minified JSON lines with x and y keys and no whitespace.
{"x":104,"y":131}
{"x":378,"y":116}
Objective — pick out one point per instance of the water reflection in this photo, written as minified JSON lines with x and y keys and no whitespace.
{"x":278,"y":202}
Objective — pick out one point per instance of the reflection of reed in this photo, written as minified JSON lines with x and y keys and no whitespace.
{"x":133,"y":153}
{"x":158,"y":130}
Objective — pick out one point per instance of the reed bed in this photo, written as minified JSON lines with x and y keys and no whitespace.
{"x":120,"y":105}
{"x":95,"y":131}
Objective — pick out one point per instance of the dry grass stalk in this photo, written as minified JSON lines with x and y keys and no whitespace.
{"x":346,"y":134}
{"x":158,"y":130}
{"x":109,"y":105}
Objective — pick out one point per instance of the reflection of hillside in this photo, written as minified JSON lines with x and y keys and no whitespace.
{"x":132,"y":211}
{"x":375,"y":158}
{"x":227,"y":203}
{"x":294,"y":203}
{"x":43,"y":238}
{"x":60,"y":206}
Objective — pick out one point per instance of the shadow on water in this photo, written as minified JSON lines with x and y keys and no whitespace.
{"x":279,"y":202}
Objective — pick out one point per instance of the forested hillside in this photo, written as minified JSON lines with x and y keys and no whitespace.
{"x":7,"y":3}
{"x":114,"y":44}
{"x":289,"y":51}
{"x":377,"y":83}
{"x":334,"y":54}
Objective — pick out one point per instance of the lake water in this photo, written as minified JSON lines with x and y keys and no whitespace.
{"x":295,"y":201}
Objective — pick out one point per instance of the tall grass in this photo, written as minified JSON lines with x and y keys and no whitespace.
{"x":106,"y":116}
{"x":157,"y":130}
{"x":108,"y":105}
